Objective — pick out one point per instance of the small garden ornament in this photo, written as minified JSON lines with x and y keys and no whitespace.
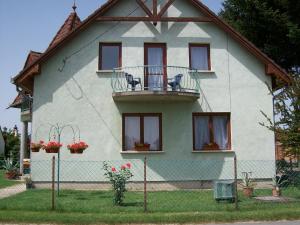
{"x":118,"y":179}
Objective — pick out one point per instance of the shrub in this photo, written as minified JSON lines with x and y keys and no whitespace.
{"x":118,"y":179}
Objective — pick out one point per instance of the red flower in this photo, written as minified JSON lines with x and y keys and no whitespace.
{"x":128,"y":165}
{"x":123,"y":167}
{"x":113,"y":169}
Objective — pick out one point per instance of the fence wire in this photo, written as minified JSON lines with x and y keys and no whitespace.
{"x":157,"y":185}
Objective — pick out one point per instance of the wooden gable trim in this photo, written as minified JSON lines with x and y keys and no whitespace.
{"x":144,"y":7}
{"x":271,"y":67}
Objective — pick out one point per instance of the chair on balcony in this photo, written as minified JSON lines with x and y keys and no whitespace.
{"x":132,"y":81}
{"x":175,"y":82}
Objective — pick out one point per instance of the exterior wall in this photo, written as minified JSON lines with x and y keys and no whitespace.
{"x":80,"y":96}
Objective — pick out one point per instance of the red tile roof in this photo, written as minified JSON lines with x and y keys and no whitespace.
{"x":71,"y":23}
{"x":32,"y":56}
{"x":17,"y":102}
{"x":73,"y":26}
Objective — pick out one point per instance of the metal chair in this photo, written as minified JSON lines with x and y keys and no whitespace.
{"x":132,"y":81}
{"x":175,"y":82}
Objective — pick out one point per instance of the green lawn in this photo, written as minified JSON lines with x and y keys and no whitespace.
{"x":4,"y":182}
{"x":82,"y":207}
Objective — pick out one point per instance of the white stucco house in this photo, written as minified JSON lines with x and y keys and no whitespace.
{"x":165,"y":79}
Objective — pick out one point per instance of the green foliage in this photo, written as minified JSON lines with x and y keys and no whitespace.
{"x":274,"y":27}
{"x":247,"y":181}
{"x":12,"y":145}
{"x":9,"y":166}
{"x":118,"y":180}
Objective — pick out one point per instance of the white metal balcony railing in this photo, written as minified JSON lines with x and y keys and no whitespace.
{"x":155,"y":79}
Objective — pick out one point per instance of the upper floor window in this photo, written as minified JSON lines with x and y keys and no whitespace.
{"x":199,"y":56}
{"x":142,"y":132}
{"x":211,"y":131}
{"x":110,"y":56}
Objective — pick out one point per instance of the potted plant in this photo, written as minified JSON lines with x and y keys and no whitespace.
{"x":77,"y":148}
{"x":35,"y":147}
{"x":11,"y":169}
{"x":28,"y":182}
{"x":141,"y":146}
{"x":248,"y":184}
{"x":277,"y":183}
{"x":52,"y":147}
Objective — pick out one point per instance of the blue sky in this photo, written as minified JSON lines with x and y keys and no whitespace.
{"x":31,"y":25}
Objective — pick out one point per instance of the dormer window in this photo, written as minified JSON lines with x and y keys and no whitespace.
{"x":199,"y":56}
{"x":110,"y":56}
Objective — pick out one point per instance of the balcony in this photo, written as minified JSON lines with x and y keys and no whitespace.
{"x":155,"y":83}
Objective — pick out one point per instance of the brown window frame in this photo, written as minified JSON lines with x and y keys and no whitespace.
{"x":211,"y":132}
{"x":141,"y":115}
{"x":208,"y":54}
{"x":101,"y":44}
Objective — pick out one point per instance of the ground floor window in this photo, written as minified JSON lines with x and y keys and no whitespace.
{"x":142,"y":132}
{"x":211,"y":131}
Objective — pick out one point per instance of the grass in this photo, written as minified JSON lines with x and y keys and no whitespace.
{"x":83,"y":207}
{"x":5,"y":182}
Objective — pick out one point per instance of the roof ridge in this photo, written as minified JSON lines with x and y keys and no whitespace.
{"x":70,"y":24}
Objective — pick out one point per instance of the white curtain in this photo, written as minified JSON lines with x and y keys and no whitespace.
{"x":199,"y":59}
{"x":132,"y":132}
{"x":151,"y":132}
{"x":201,"y":131}
{"x":220,"y":131}
{"x":155,"y":77}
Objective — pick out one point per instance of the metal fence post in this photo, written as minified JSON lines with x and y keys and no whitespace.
{"x":236,"y":201}
{"x":145,"y":184}
{"x":53,"y":183}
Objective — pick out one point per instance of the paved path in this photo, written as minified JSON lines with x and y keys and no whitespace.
{"x":12,"y":190}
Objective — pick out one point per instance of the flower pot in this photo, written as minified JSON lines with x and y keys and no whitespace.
{"x":248,"y":192}
{"x":142,"y":147}
{"x":35,"y":149}
{"x":76,"y":151}
{"x":276,"y":192}
{"x":52,"y":150}
{"x":10,"y":175}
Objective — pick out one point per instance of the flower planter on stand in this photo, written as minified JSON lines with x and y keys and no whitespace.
{"x":77,"y":148}
{"x":52,"y":147}
{"x":35,"y":147}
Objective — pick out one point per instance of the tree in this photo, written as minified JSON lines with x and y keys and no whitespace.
{"x":274,"y":27}
{"x":12,"y":144}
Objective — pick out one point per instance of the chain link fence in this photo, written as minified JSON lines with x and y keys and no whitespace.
{"x":157,"y":185}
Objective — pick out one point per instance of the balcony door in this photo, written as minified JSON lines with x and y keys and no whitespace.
{"x":155,"y":67}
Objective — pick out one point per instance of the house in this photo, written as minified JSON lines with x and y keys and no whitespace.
{"x":170,"y":78}
{"x":2,"y":143}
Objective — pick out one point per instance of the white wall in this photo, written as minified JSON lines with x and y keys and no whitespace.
{"x":79,"y":95}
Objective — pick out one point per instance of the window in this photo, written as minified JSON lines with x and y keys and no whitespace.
{"x":200,"y":56}
{"x":142,"y":132}
{"x":110,"y":55}
{"x":211,"y":131}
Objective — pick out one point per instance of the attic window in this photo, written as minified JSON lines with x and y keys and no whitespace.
{"x":110,"y":56}
{"x":199,"y":56}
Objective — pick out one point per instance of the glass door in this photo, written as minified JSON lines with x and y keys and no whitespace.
{"x":155,"y":67}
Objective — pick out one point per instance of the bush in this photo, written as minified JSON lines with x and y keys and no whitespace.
{"x":118,"y":179}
